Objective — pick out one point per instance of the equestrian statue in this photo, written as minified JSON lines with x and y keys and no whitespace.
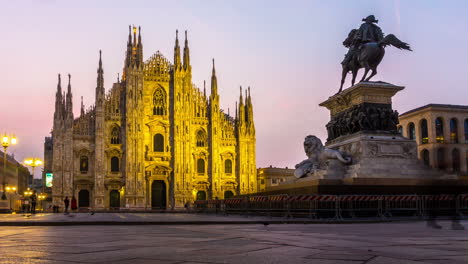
{"x":366,"y":49}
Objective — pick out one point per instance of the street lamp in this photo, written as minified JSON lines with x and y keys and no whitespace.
{"x":10,"y":189}
{"x":6,"y":142}
{"x":33,"y":162}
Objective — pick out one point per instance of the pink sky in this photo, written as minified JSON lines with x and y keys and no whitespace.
{"x":288,"y":53}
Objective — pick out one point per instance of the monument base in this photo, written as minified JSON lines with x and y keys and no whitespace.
{"x":383,"y":156}
{"x":369,"y":186}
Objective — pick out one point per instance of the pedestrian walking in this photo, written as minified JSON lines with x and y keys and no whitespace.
{"x":33,"y":202}
{"x":74,"y":205}
{"x":67,"y":204}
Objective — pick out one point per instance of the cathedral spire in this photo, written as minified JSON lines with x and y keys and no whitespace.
{"x":236,"y":112}
{"x":100,"y":82}
{"x":69,"y":99}
{"x":58,"y":100}
{"x":100,"y":77}
{"x":82,"y":107}
{"x":186,"y":53}
{"x":214,"y":81}
{"x":204,"y":88}
{"x":177,"y":51}
{"x":139,"y":48}
{"x":241,"y":100}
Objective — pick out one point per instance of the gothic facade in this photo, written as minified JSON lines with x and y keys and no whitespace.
{"x":153,"y":140}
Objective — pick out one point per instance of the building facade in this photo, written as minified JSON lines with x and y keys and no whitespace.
{"x":272,"y":176}
{"x":17,"y":175}
{"x":441,"y":133}
{"x":154,"y":140}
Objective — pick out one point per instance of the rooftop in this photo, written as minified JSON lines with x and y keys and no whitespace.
{"x":446,"y":106}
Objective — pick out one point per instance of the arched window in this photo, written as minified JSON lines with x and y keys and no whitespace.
{"x":400,"y":130}
{"x":411,"y":131}
{"x":441,"y":159}
{"x":228,"y":166}
{"x":424,"y":132}
{"x":201,"y":166}
{"x":425,"y":157}
{"x":159,"y":102}
{"x":439,"y":126}
{"x":466,"y":131}
{"x":453,"y":131}
{"x":84,"y":166}
{"x":158,"y":143}
{"x":201,"y":195}
{"x":115,"y":135}
{"x":115,"y":164}
{"x":201,"y":138}
{"x":456,"y":160}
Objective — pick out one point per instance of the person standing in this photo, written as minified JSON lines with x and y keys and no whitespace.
{"x":74,"y":205}
{"x":67,"y":204}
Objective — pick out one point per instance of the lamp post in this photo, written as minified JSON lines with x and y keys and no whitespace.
{"x":13,"y":190}
{"x":33,"y":162}
{"x":6,"y":142}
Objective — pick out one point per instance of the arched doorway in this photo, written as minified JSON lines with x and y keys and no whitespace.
{"x":201,"y":195}
{"x":228,"y":194}
{"x":158,"y":194}
{"x":83,"y":198}
{"x":114,"y":199}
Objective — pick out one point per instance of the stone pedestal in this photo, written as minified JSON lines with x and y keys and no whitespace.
{"x":363,"y":126}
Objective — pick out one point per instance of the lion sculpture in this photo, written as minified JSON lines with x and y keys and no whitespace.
{"x":317,"y":157}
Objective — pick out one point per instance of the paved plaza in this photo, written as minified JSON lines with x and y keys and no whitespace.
{"x":371,"y":243}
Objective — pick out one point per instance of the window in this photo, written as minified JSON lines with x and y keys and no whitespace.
{"x":84,"y":164}
{"x":453,"y":131}
{"x":158,"y":143}
{"x":400,"y":130}
{"x":201,"y":138}
{"x":440,"y":159}
{"x":425,"y":157}
{"x":159,"y":102}
{"x":424,"y":132}
{"x":115,"y":164}
{"x":439,"y":125}
{"x":201,"y":166}
{"x":228,"y":166}
{"x":411,"y":131}
{"x":115,"y":136}
{"x":466,"y":131}
{"x":456,"y":160}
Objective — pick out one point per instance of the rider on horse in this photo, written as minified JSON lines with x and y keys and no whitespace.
{"x":367,"y":32}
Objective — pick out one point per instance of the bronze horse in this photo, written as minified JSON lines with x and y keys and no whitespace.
{"x":368,"y":56}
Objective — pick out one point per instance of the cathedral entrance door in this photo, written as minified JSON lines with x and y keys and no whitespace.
{"x":83,"y":198}
{"x":201,"y":195}
{"x":114,"y":199}
{"x":158,"y":194}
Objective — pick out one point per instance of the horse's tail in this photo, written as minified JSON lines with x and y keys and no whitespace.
{"x":395,"y":42}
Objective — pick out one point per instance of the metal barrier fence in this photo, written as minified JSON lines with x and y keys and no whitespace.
{"x":338,"y":207}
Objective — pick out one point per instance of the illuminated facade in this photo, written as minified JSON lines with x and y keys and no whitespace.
{"x":154,"y":140}
{"x":441,"y":133}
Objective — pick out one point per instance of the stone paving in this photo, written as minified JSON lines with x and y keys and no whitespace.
{"x":129,"y":217}
{"x":378,"y":243}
